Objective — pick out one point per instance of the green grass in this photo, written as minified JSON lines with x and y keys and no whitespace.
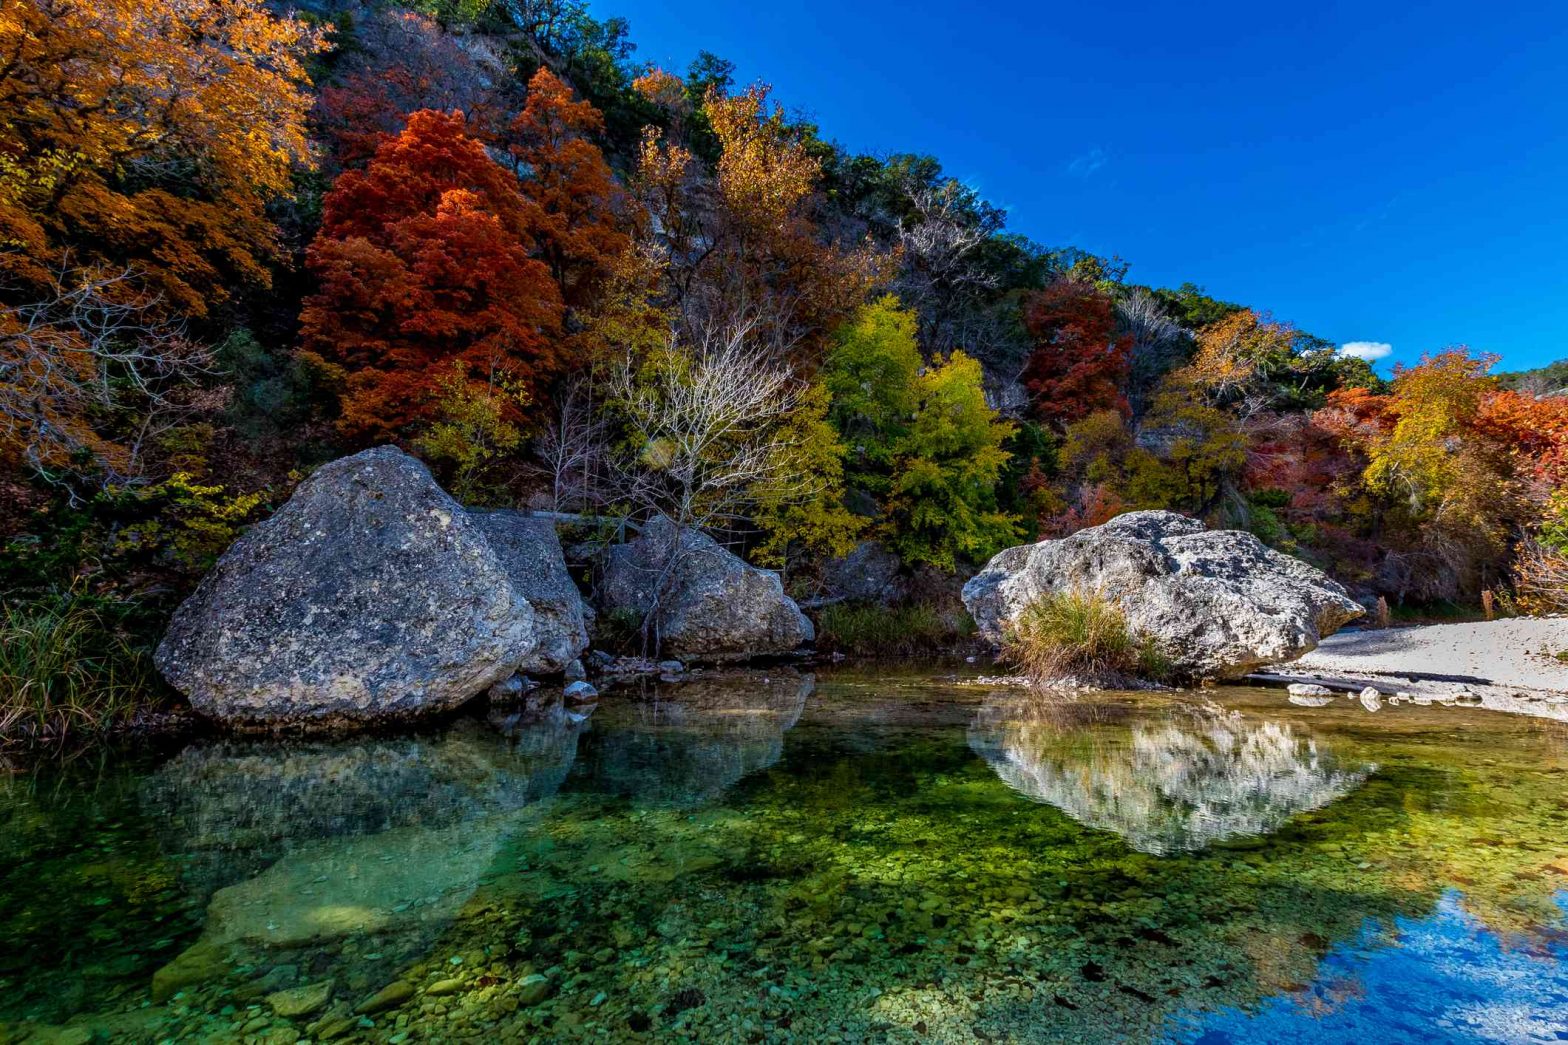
{"x":64,"y":671}
{"x":1081,"y":635}
{"x":869,"y":630}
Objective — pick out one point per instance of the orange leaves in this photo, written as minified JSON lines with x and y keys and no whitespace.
{"x":148,"y":133}
{"x":1533,"y":430}
{"x":424,"y":259}
{"x":576,"y":211}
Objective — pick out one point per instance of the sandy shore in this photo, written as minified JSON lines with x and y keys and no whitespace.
{"x":1510,"y":664}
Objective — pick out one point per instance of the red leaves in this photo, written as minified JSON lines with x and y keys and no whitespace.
{"x":1080,"y":363}
{"x":575,"y":203}
{"x":423,"y":259}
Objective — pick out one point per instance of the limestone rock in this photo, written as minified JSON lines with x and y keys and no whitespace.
{"x":301,"y":1001}
{"x":531,"y":552}
{"x":712,"y":606}
{"x":370,"y":595}
{"x":1218,"y":603}
{"x":869,"y":573}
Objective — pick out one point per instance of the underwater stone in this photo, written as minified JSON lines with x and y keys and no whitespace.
{"x":391,"y":996}
{"x":533,"y":989}
{"x":301,"y":1001}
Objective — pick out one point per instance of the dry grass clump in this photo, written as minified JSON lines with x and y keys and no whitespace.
{"x":1081,"y":636}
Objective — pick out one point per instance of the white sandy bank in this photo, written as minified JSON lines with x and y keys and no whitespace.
{"x":1510,"y":664}
{"x":1507,"y":653}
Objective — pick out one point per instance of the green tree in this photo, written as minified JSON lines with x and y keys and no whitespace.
{"x":942,"y":504}
{"x":871,"y":374}
{"x":800,"y":503}
{"x":924,"y":448}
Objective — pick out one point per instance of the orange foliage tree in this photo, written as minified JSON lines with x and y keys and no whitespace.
{"x":1079,"y":364}
{"x":577,"y":206}
{"x":148,"y":135}
{"x":423,"y":261}
{"x":140,"y":141}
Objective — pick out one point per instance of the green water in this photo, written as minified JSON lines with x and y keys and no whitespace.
{"x":778,"y":856}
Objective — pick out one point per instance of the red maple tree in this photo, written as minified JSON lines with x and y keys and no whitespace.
{"x":424,"y":260}
{"x":1080,"y":363}
{"x":577,"y":207}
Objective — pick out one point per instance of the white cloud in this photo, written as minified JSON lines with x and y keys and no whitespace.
{"x":1085,"y":165}
{"x":1368,"y":350}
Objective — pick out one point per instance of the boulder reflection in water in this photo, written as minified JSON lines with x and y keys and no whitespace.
{"x":1167,"y":782}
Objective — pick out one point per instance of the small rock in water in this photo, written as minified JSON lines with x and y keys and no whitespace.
{"x":581,"y":691}
{"x":388,"y":997}
{"x":1308,"y":689}
{"x":533,"y":989}
{"x":513,"y":688}
{"x":440,"y":987}
{"x":575,"y":671}
{"x":671,"y":667}
{"x":301,"y":1001}
{"x":598,"y":659}
{"x":1371,"y":698}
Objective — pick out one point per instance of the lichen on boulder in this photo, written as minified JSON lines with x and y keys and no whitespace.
{"x":370,"y":595}
{"x":1217,"y":603}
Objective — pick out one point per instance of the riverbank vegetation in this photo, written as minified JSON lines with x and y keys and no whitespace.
{"x":240,"y":240}
{"x":1081,"y":636}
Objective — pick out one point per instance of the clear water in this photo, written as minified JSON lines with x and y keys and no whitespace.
{"x":780,"y":857}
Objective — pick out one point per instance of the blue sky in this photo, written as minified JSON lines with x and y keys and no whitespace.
{"x":1391,"y":173}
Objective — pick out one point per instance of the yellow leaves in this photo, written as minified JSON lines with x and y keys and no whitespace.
{"x":765,"y":172}
{"x":199,"y":105}
{"x":1232,"y":351}
{"x":1433,"y":404}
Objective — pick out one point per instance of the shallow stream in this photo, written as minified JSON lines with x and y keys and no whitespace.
{"x":851,"y":856}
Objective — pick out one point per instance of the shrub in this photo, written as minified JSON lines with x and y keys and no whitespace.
{"x":63,"y":671}
{"x":1081,"y":635}
{"x":869,"y":630}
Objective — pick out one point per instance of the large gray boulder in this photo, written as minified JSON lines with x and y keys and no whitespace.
{"x":1218,"y":603}
{"x":530,"y":550}
{"x":371,"y":594}
{"x":711,"y":606}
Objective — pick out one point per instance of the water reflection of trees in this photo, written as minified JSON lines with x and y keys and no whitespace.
{"x":1167,"y":782}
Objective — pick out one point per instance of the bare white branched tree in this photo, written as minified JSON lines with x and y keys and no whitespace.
{"x":704,"y":429}
{"x":704,"y":420}
{"x":941,"y":273}
{"x":92,"y":349}
{"x":1158,"y":342}
{"x":574,"y":448}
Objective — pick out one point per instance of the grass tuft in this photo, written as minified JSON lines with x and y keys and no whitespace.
{"x":63,"y":671}
{"x":870,"y":630}
{"x":1081,"y":635}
